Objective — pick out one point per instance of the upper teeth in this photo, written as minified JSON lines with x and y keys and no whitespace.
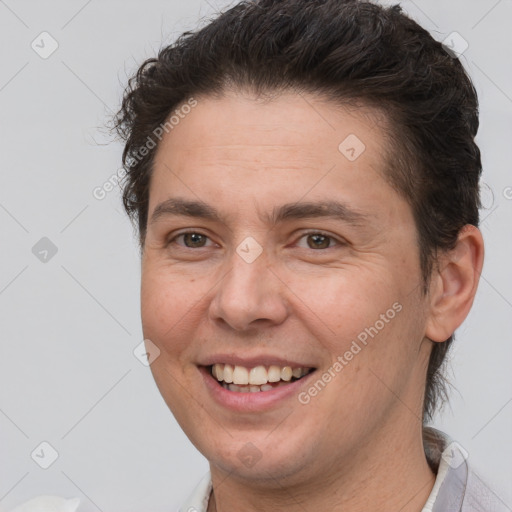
{"x":256,"y":376}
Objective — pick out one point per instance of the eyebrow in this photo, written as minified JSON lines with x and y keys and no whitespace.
{"x":290,"y":211}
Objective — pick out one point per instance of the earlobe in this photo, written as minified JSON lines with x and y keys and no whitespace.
{"x":454,"y":284}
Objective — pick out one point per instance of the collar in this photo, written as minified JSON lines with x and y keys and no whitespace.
{"x":448,"y":460}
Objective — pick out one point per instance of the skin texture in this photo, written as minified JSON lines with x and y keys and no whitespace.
{"x":357,"y":444}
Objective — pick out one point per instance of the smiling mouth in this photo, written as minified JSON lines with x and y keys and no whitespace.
{"x":260,"y":378}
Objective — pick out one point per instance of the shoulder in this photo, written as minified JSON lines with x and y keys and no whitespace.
{"x":458,"y":487}
{"x":480,"y":497}
{"x":46,"y":503}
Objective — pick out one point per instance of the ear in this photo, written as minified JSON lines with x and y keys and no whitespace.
{"x":454,"y":283}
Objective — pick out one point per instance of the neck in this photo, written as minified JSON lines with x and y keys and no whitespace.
{"x":391,"y":474}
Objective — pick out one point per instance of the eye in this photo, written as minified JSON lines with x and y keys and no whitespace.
{"x":318,"y":240}
{"x":191,"y":240}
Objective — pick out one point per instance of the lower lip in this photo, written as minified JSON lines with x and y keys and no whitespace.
{"x":251,"y":401}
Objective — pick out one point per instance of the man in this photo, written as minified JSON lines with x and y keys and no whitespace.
{"x":304,"y":177}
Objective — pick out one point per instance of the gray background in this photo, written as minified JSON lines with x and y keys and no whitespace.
{"x":69,"y":324}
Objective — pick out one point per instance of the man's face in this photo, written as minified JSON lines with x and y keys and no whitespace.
{"x":276,"y":280}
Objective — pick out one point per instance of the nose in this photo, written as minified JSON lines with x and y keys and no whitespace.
{"x":249,"y":295}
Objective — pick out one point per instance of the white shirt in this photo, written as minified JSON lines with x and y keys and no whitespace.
{"x":456,"y":488}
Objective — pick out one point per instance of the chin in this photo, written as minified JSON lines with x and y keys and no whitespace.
{"x":254,"y":456}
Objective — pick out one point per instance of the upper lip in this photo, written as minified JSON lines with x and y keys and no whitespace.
{"x":251,"y":362}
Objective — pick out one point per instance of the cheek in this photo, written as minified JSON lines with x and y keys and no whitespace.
{"x":341,"y":303}
{"x":169,"y":304}
{"x":169,"y":313}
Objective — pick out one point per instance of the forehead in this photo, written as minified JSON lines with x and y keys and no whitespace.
{"x":268,"y":151}
{"x":295,"y":121}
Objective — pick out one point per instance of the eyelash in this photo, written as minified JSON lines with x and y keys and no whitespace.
{"x":308,"y":233}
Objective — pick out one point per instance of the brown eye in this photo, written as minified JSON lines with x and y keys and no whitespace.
{"x":193,"y":240}
{"x":318,"y":241}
